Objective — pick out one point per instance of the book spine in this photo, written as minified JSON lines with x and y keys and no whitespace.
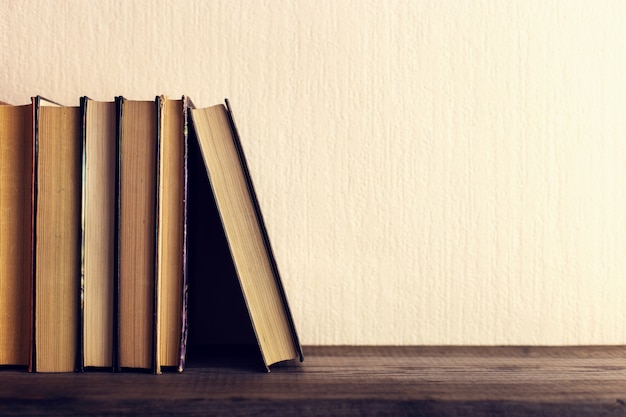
{"x":78,"y":364}
{"x":81,"y":314}
{"x":119,"y":104}
{"x":33,"y":188}
{"x":185,"y":290}
{"x":155,"y":248}
{"x":156,"y":333}
{"x":36,"y":101}
{"x":155,"y":366}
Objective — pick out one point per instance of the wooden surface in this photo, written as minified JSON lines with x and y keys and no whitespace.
{"x":346,"y":381}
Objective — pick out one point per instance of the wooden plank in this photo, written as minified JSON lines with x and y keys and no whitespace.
{"x":346,"y":381}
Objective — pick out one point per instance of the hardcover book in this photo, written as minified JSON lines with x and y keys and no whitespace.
{"x":98,"y":232}
{"x":248,"y":243}
{"x":16,"y":233}
{"x":136,"y":237}
{"x":171,"y":235}
{"x":57,"y":202}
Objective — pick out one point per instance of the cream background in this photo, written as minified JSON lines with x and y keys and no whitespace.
{"x":431,"y":172}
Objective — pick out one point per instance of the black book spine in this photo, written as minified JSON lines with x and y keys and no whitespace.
{"x":116,"y":282}
{"x":155,"y":251}
{"x":81,"y":296}
{"x":185,"y":290}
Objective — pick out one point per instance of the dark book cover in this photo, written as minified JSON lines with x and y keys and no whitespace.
{"x":116,"y":280}
{"x":81,"y":312}
{"x":185,"y":291}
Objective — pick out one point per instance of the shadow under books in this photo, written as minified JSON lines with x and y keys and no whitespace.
{"x":220,"y":332}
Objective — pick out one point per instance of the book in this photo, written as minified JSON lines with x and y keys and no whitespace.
{"x":244,"y":229}
{"x":136,"y":237}
{"x":16,"y":165}
{"x":99,"y":121}
{"x":57,"y":206}
{"x":171,"y":264}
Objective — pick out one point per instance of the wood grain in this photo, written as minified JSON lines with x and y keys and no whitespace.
{"x":346,"y":381}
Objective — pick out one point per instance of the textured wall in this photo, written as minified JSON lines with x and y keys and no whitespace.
{"x":431,"y":172}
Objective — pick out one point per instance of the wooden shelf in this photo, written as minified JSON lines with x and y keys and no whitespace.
{"x":346,"y":381}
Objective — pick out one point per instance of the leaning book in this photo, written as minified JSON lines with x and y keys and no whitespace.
{"x":246,"y":235}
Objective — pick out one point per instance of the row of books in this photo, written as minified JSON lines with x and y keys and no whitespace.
{"x":116,"y":219}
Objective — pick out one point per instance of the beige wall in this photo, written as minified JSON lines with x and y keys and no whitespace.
{"x":431,"y":172}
